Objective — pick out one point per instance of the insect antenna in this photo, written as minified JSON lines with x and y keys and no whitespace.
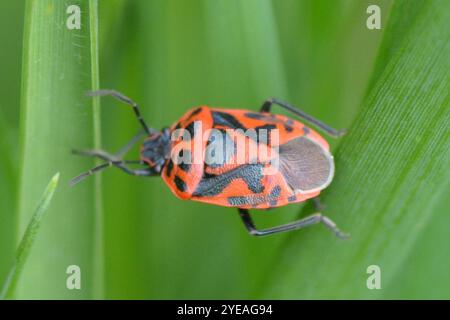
{"x":131,"y":143}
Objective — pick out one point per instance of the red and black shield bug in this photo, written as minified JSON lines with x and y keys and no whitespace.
{"x":304,"y":163}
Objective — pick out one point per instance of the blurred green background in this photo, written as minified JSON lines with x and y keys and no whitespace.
{"x":132,"y":238}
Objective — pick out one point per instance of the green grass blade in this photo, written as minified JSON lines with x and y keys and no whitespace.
{"x":28,"y":239}
{"x":56,"y":117}
{"x":98,"y":255}
{"x":12,"y":16}
{"x":392,"y":172}
{"x":426,"y":268}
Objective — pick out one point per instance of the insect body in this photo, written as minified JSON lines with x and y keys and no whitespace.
{"x":305,"y":167}
{"x":234,"y":158}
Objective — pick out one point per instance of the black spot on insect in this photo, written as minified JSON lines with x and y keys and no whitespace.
{"x":238,"y":201}
{"x":255,"y":115}
{"x":288,"y":125}
{"x":176,"y":131}
{"x":183,"y":165}
{"x":226,"y":120}
{"x":274,"y":195}
{"x":180,"y":184}
{"x":219,"y":141}
{"x":191,"y":129}
{"x":178,"y":126}
{"x":263,"y":133}
{"x":292,"y":198}
{"x":194,"y":113}
{"x":267,"y":117}
{"x":306,"y":130}
{"x":169,"y":167}
{"x":266,"y":126}
{"x":212,"y":185}
{"x":245,"y":200}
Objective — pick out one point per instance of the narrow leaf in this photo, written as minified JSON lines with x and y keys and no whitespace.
{"x":391,"y":171}
{"x":98,"y":252}
{"x":28,"y":239}
{"x":56,"y":117}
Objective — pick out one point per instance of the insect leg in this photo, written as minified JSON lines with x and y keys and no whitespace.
{"x":119,"y":164}
{"x":267,"y":105}
{"x":121,"y":97}
{"x":88,"y":173}
{"x":299,"y":224}
{"x":112,"y":160}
